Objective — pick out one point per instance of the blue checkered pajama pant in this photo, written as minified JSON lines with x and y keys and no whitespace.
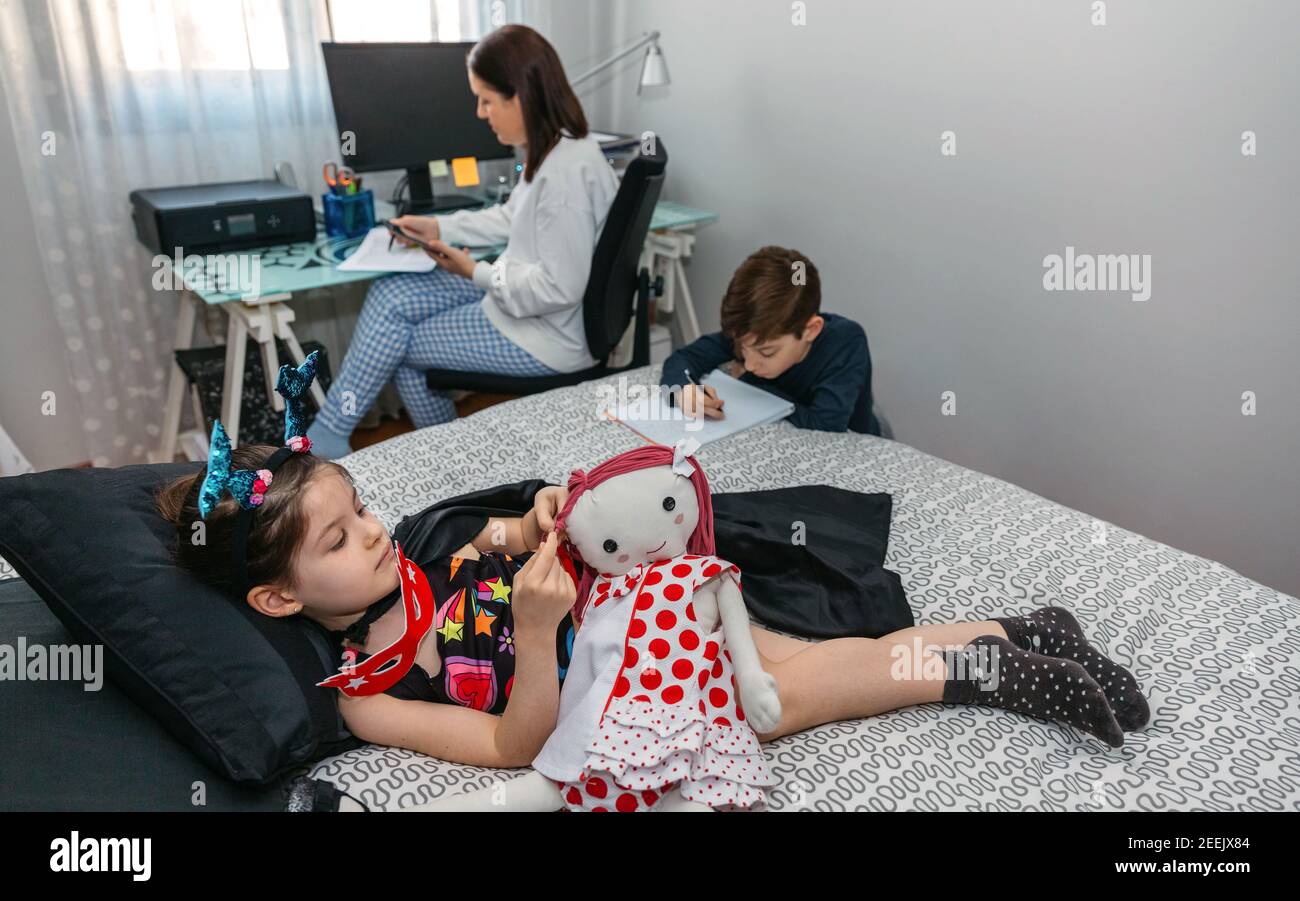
{"x":412,"y":322}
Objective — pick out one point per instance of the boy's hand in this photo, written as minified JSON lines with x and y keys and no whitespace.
{"x":702,"y":400}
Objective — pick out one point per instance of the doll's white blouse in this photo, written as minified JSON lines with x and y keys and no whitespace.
{"x":596,"y":662}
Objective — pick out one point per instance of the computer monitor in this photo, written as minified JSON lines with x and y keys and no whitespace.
{"x":406,"y":104}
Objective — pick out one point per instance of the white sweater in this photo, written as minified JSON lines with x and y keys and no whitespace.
{"x":550,"y":225}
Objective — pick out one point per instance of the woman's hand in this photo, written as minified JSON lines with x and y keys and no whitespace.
{"x":451,"y":259}
{"x":547,"y":504}
{"x":543,"y":592}
{"x":423,"y":227}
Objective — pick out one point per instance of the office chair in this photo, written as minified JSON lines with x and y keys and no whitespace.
{"x":608,"y":302}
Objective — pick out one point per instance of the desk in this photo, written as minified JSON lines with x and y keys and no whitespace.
{"x":290,"y":268}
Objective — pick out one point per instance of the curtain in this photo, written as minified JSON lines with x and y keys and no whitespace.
{"x":12,"y":461}
{"x":108,"y":96}
{"x":113,"y":95}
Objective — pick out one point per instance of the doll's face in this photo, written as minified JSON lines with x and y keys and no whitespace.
{"x":639,"y":517}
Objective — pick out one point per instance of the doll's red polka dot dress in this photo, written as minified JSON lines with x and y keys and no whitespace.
{"x":650,"y":701}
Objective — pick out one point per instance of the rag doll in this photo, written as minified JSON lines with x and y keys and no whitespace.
{"x":664,"y":692}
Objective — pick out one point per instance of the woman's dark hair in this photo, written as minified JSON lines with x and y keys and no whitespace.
{"x":278,"y":527}
{"x":514,"y":59}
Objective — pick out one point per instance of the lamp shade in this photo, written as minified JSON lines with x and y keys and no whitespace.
{"x":654,"y":72}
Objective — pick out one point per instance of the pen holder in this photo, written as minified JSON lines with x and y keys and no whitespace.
{"x":349,"y":215}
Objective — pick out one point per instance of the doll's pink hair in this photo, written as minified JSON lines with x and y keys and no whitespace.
{"x":701,"y":540}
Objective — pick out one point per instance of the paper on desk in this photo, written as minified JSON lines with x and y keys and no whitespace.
{"x":374,"y":256}
{"x":747,"y":406}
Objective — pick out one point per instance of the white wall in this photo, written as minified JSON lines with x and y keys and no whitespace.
{"x":1116,"y":139}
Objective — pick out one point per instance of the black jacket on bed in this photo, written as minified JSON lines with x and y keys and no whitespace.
{"x":822,"y":579}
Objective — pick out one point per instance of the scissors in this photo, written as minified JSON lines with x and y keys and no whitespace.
{"x":339,"y":178}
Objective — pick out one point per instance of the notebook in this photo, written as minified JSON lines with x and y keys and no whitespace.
{"x":746,"y":406}
{"x":374,"y":256}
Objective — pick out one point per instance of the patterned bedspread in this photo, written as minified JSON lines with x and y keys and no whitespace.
{"x":1217,"y":654}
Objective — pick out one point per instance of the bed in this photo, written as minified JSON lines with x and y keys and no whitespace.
{"x":1217,"y":654}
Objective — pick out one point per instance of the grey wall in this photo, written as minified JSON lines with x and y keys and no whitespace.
{"x":1116,"y":139}
{"x":31,"y":345}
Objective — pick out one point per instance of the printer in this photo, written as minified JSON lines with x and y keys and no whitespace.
{"x":225,"y":216}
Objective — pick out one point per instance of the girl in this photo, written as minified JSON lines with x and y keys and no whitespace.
{"x":314,"y":550}
{"x":521,"y":315}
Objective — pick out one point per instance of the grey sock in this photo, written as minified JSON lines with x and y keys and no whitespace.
{"x":992,"y":672}
{"x":1055,"y":632}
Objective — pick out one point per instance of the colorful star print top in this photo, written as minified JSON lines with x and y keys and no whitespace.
{"x":474,"y":634}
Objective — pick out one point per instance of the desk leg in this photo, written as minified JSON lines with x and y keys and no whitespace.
{"x":177,"y":383}
{"x":232,"y":392}
{"x":670,"y":248}
{"x":687,"y":305}
{"x":271,"y":372}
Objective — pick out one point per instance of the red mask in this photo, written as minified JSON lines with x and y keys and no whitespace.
{"x":370,"y":676}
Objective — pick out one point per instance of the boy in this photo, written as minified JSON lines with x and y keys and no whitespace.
{"x":774,"y":336}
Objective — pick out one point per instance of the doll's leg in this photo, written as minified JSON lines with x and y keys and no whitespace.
{"x":528,"y":794}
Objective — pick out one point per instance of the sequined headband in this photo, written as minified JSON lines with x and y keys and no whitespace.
{"x":249,"y":486}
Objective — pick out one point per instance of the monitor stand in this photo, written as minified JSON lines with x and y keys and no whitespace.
{"x":422,"y":200}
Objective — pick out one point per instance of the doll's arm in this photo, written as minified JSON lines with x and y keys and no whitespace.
{"x":757,"y":687}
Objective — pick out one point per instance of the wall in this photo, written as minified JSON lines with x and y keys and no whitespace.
{"x":1117,"y":139}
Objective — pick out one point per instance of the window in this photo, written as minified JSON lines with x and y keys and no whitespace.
{"x":219,"y":34}
{"x":396,"y":20}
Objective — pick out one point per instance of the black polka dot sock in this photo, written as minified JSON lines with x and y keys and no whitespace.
{"x":992,"y":672}
{"x":1055,"y":632}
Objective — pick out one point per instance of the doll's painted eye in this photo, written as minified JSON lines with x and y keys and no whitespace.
{"x":610,"y":545}
{"x":670,"y":503}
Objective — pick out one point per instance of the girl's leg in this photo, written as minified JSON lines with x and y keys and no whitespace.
{"x":777,"y":647}
{"x":461,"y":338}
{"x":395,"y":306}
{"x":849,"y":678}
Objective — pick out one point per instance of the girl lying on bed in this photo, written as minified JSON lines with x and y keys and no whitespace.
{"x":493,"y":670}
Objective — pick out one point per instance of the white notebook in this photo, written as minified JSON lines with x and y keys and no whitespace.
{"x":746,"y":407}
{"x":374,"y":256}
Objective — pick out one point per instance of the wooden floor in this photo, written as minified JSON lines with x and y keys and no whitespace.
{"x":388,"y":428}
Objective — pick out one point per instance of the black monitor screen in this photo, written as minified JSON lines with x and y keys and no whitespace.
{"x":406,"y":104}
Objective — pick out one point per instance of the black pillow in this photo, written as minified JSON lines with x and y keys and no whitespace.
{"x":236,"y":687}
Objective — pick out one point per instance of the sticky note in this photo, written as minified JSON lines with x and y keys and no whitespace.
{"x":464,"y":171}
{"x":437,"y":168}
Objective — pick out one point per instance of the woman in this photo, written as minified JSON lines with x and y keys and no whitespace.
{"x":521,"y":315}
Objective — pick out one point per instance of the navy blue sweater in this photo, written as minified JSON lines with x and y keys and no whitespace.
{"x":830,"y":388}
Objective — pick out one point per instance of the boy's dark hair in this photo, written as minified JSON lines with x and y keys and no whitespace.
{"x":278,"y":526}
{"x":773,"y":293}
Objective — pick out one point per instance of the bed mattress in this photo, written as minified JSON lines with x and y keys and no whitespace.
{"x":1217,"y":655}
